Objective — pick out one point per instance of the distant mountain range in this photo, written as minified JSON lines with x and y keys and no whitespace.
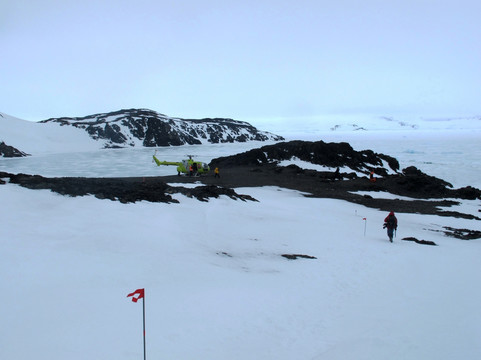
{"x":124,"y":128}
{"x":147,"y":128}
{"x":317,"y":126}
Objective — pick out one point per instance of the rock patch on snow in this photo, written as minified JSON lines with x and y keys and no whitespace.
{"x":297,"y":256}
{"x":125,"y":190}
{"x":463,"y":234}
{"x":422,"y":242}
{"x":10,"y":151}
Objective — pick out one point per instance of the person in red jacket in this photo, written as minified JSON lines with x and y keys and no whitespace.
{"x":390,"y":222}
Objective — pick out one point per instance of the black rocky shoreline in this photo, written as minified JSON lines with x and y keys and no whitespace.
{"x":260,"y":167}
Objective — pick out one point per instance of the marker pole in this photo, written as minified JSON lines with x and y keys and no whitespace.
{"x":143,"y":316}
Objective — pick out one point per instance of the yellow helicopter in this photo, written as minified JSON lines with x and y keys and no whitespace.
{"x":188,"y":166}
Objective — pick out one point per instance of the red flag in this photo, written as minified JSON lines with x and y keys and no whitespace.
{"x":364,"y":218}
{"x":139,"y":292}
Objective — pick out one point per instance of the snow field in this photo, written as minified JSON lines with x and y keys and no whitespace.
{"x":216,"y":284}
{"x":217,"y":287}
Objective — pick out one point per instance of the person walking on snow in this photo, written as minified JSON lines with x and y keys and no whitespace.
{"x":390,"y":222}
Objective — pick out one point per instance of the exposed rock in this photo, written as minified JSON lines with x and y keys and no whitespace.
{"x":411,"y":182}
{"x":415,"y":183}
{"x":297,"y":256}
{"x":468,"y":193}
{"x":260,"y":167}
{"x":125,"y":190}
{"x":320,"y":153}
{"x":10,"y":151}
{"x":203,"y":193}
{"x":422,"y":242}
{"x":463,"y":234}
{"x":223,"y":253}
{"x":150,"y":129}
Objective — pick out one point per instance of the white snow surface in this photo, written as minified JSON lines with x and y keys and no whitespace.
{"x":216,"y":284}
{"x":37,"y":138}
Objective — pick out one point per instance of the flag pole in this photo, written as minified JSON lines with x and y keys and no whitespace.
{"x":140,"y":295}
{"x":143,"y":316}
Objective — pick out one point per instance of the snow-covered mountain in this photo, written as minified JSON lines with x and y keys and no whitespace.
{"x":124,"y":128}
{"x":142,"y":127}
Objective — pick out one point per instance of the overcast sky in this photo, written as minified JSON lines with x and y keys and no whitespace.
{"x":240,"y":59}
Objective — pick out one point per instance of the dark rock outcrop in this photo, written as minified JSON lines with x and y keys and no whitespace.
{"x":203,"y":193}
{"x":10,"y":151}
{"x":297,"y":256}
{"x":463,"y":234}
{"x":319,"y":153}
{"x":414,"y":183}
{"x":125,"y":190}
{"x":410,"y":182}
{"x":422,"y":242}
{"x":150,"y":129}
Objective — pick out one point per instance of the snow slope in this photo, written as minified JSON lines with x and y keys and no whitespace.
{"x":37,"y":138}
{"x":216,"y":284}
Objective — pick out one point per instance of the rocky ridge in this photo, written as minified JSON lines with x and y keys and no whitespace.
{"x":330,"y":155}
{"x":10,"y":151}
{"x":418,"y":192}
{"x":142,"y":127}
